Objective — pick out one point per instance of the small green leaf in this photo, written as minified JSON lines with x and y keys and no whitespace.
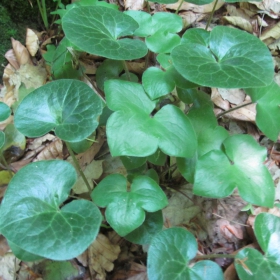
{"x":83,"y":145}
{"x":268,"y":109}
{"x":5,"y":111}
{"x":97,"y":30}
{"x":30,"y":214}
{"x":169,"y":129}
{"x":125,"y":208}
{"x":218,"y":174}
{"x":158,"y":158}
{"x":69,"y":107}
{"x":169,"y":254}
{"x":152,"y":225}
{"x":132,"y":162}
{"x":250,"y":263}
{"x":232,"y":59}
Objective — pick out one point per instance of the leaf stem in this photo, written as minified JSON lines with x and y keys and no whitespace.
{"x":126,"y":70}
{"x":233,"y":109}
{"x":6,"y":164}
{"x":180,"y":5}
{"x":77,"y":165}
{"x":211,"y":15}
{"x":214,"y":256}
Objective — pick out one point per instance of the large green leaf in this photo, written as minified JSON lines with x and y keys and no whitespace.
{"x":218,"y":174}
{"x":268,"y":110}
{"x":69,"y":107}
{"x":126,"y":206}
{"x":232,"y":59}
{"x":250,"y":263}
{"x":132,"y":131}
{"x":31,"y":217}
{"x":5,"y":111}
{"x":97,"y":30}
{"x":171,"y":251}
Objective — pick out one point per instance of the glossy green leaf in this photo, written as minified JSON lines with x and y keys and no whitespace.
{"x":218,"y":174}
{"x":250,"y":263}
{"x":196,"y":36}
{"x":132,"y":131}
{"x":69,"y":107}
{"x":30,"y":213}
{"x":164,"y":60}
{"x":268,"y":109}
{"x":132,"y":162}
{"x":97,"y":30}
{"x":2,"y":139}
{"x":5,"y":111}
{"x":171,"y":251}
{"x":232,"y":59}
{"x":82,"y":146}
{"x":158,"y":158}
{"x":152,"y":225}
{"x":22,"y":254}
{"x":152,"y":174}
{"x":125,"y":207}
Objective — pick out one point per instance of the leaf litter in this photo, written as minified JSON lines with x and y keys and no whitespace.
{"x":218,"y":225}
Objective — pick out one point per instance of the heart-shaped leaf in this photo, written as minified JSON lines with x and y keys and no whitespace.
{"x":250,"y":263}
{"x":268,"y":110}
{"x":151,"y":226}
{"x":69,"y":107}
{"x":218,"y":174}
{"x":31,"y":217}
{"x":5,"y":111}
{"x":169,"y":254}
{"x":132,"y":131}
{"x":125,"y":207}
{"x":232,"y":59}
{"x":97,"y":30}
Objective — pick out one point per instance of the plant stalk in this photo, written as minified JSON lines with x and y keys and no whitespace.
{"x":180,"y":5}
{"x":148,"y":6}
{"x":126,"y":70}
{"x":77,"y":165}
{"x":215,"y":256}
{"x":6,"y":164}
{"x":211,"y":16}
{"x":43,"y":12}
{"x":233,"y":109}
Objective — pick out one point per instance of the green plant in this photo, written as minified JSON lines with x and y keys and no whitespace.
{"x":141,"y":129}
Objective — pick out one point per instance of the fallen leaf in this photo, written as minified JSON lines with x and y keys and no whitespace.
{"x":54,"y":150}
{"x":247,"y":113}
{"x":11,"y":57}
{"x":21,"y":53}
{"x":269,"y":7}
{"x":134,"y":4}
{"x":271,"y":34}
{"x":218,"y":100}
{"x":31,"y":41}
{"x":101,"y":254}
{"x":239,"y":22}
{"x":37,"y":142}
{"x":4,"y":246}
{"x":132,"y":271}
{"x":234,"y":96}
{"x":190,"y":17}
{"x":9,"y":265}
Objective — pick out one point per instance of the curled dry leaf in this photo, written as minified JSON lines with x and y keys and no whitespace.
{"x":190,"y":17}
{"x":52,"y":151}
{"x":234,"y":96}
{"x":229,"y":231}
{"x":21,"y":52}
{"x":269,"y":7}
{"x":11,"y":57}
{"x":218,"y":100}
{"x":239,"y":22}
{"x":134,"y":4}
{"x":32,"y":42}
{"x":247,"y":113}
{"x":196,"y":8}
{"x":271,"y":34}
{"x":101,"y":254}
{"x":37,"y":142}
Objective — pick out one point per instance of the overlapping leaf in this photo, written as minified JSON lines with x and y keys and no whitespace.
{"x":133,"y":131}
{"x":98,"y":30}
{"x":69,"y":107}
{"x":231,"y":59}
{"x":30,"y":213}
{"x":4,"y":111}
{"x":125,"y":209}
{"x":169,"y":254}
{"x":268,"y":110}
{"x":241,"y":166}
{"x":250,"y":263}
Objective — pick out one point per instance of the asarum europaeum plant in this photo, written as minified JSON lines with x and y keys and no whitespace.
{"x":34,"y":216}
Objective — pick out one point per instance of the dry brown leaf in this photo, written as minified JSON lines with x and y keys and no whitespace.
{"x":21,"y":52}
{"x":190,"y":17}
{"x":38,"y":142}
{"x":229,"y":230}
{"x":230,"y":273}
{"x":31,"y":41}
{"x":239,"y":22}
{"x":218,"y":100}
{"x":4,"y":246}
{"x":134,"y":4}
{"x":11,"y":57}
{"x":101,"y":254}
{"x":52,"y":151}
{"x":83,"y":258}
{"x":196,"y":8}
{"x":136,"y":67}
{"x":271,"y":34}
{"x":247,"y":113}
{"x":269,"y":7}
{"x":234,"y":96}
{"x":132,"y":271}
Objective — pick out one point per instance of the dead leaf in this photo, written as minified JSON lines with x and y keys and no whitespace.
{"x":229,"y":230}
{"x":234,"y":96}
{"x":32,"y":42}
{"x":101,"y":254}
{"x":239,"y":22}
{"x":271,"y":34}
{"x":9,"y":265}
{"x":132,"y":271}
{"x":21,"y":53}
{"x":196,"y":8}
{"x":190,"y":17}
{"x":4,"y":246}
{"x":218,"y":100}
{"x":247,"y":113}
{"x":269,"y":7}
{"x":54,"y":150}
{"x":134,"y":4}
{"x":38,"y":142}
{"x":11,"y":57}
